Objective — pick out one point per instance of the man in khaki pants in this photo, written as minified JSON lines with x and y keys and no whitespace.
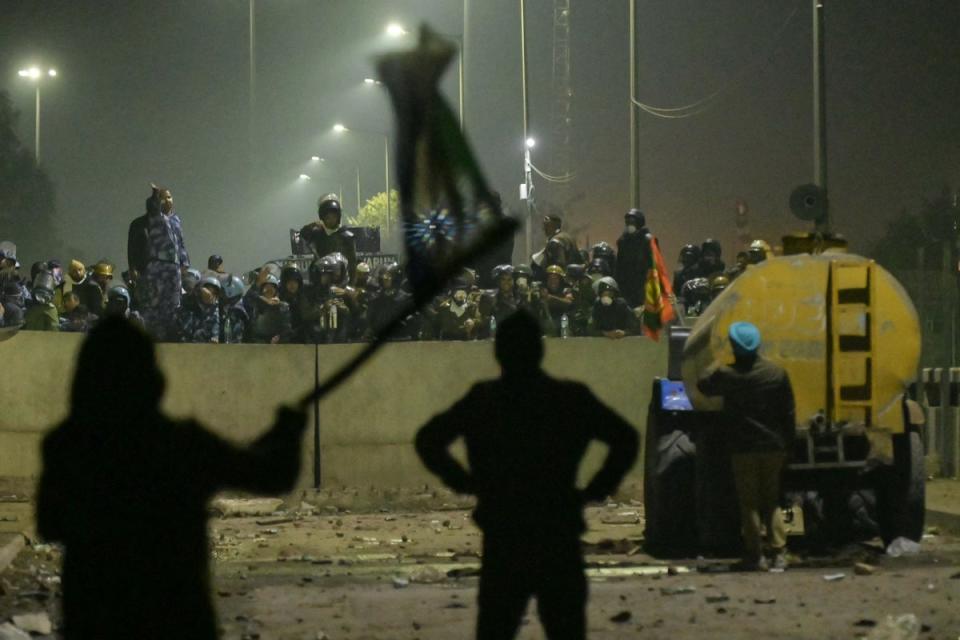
{"x":759,"y":408}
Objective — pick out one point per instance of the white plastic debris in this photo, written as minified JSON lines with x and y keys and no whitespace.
{"x":34,"y":622}
{"x":10,"y":632}
{"x":903,"y":547}
{"x":902,"y":627}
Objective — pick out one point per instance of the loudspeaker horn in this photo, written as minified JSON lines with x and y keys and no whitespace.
{"x":808,"y":202}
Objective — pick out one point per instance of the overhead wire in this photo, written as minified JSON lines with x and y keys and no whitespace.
{"x":698,"y":107}
{"x":550,"y":178}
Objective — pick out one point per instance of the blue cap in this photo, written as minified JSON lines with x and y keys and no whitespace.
{"x":745,"y":336}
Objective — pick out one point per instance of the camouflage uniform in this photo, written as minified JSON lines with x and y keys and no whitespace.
{"x":199,"y":323}
{"x":235,"y":322}
{"x":160,"y":286}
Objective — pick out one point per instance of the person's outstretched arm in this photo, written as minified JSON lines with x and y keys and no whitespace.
{"x":433,"y":446}
{"x":270,"y":464}
{"x":621,"y":439}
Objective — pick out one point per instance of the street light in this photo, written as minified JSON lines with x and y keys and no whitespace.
{"x":531,"y":143}
{"x":316,"y":159}
{"x":35,"y":74}
{"x":371,"y":82}
{"x":396,"y":30}
{"x":341,"y":128}
{"x":304,"y":176}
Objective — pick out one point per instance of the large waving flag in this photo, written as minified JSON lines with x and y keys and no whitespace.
{"x":658,"y":294}
{"x":450,"y":216}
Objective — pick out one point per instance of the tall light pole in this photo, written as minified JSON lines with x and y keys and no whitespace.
{"x":340,"y":128}
{"x":35,"y":74}
{"x":634,"y":120}
{"x":526,"y":118}
{"x":396,"y":30}
{"x":252,"y":88}
{"x":820,"y":114}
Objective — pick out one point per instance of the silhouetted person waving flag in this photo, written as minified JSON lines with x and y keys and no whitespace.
{"x":526,"y":434}
{"x":125,"y":489}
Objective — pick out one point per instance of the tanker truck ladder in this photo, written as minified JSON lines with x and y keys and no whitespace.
{"x":851,"y":344}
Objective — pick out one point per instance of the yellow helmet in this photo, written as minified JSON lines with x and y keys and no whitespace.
{"x":719,"y":283}
{"x":556,"y":269}
{"x":103,"y":269}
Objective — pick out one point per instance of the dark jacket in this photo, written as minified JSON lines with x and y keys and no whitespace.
{"x":138,"y":249}
{"x":757,"y":403}
{"x":525,"y":440}
{"x":634,"y":260}
{"x":323,"y":244}
{"x":129,"y":503}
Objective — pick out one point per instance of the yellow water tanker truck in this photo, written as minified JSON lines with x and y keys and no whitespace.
{"x":848,"y":336}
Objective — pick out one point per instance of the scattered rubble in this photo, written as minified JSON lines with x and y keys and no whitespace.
{"x":864,"y":569}
{"x":620,"y":618}
{"x":676,"y":591}
{"x":10,"y":632}
{"x":902,"y":627}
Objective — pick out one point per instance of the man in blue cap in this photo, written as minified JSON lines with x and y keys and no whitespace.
{"x":759,"y":410}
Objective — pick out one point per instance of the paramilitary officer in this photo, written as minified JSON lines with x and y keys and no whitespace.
{"x":327,"y":235}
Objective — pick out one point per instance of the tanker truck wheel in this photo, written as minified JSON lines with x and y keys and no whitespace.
{"x":669,"y":491}
{"x":902,"y":504}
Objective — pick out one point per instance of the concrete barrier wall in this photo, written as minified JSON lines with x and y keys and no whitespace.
{"x":367,"y":426}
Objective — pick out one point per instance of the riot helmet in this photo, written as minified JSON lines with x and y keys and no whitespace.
{"x":634,"y":220}
{"x":522,"y":275}
{"x":328,"y":210}
{"x":607,"y":290}
{"x":118,"y":300}
{"x":711,"y":247}
{"x":209,"y":290}
{"x":603,"y":250}
{"x":598,"y":268}
{"x":191,"y":279}
{"x":759,"y":251}
{"x":689,"y":255}
{"x":43,"y":286}
{"x":718,"y":284}
{"x":391,"y":276}
{"x":555,"y":277}
{"x":291,"y":280}
{"x":232,"y":288}
{"x":270,"y":286}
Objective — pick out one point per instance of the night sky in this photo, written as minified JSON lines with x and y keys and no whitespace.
{"x":158,"y":91}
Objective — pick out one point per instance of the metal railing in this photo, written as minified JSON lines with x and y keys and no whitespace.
{"x":941,"y":433}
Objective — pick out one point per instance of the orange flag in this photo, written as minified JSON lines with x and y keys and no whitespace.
{"x":657,"y":308}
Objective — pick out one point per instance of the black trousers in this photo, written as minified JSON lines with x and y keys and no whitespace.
{"x":516,"y":568}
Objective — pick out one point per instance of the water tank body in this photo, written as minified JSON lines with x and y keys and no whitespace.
{"x":793,"y":301}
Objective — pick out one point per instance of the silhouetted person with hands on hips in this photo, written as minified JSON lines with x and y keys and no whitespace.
{"x":526,"y":434}
{"x":125,"y":489}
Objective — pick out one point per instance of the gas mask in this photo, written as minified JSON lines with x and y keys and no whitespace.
{"x":606,"y":300}
{"x":42,"y":296}
{"x":631,"y":228}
